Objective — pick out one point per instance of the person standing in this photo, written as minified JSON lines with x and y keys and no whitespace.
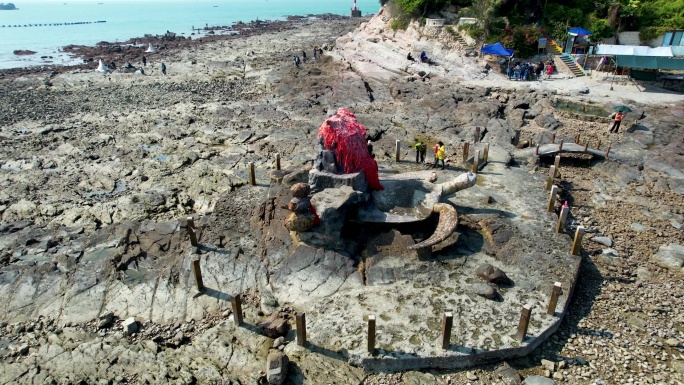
{"x":439,"y":154}
{"x":163,"y":68}
{"x":421,"y":149}
{"x":303,"y":56}
{"x":616,"y":122}
{"x":549,"y":70}
{"x":144,"y":61}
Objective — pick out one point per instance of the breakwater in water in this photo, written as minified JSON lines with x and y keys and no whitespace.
{"x":50,"y":24}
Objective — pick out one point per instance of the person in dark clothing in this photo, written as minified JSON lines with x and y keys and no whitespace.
{"x":423,"y":57}
{"x":409,"y":57}
{"x":164,"y":68}
{"x":320,"y":51}
{"x":303,"y":56}
{"x":144,"y":61}
{"x":142,"y":71}
{"x":370,"y":149}
{"x":296,"y":61}
{"x":314,"y":53}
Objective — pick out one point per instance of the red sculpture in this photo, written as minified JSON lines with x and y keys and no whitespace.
{"x":342,"y":134}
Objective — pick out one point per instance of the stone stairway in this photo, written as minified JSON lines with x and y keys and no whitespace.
{"x":572,"y":65}
{"x":461,"y":42}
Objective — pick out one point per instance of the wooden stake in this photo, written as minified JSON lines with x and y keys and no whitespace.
{"x":560,"y":146}
{"x":485,"y":155}
{"x":198,"y":274}
{"x":556,"y":162}
{"x":252,"y":176}
{"x":549,"y":179}
{"x":608,"y":150}
{"x":397,"y":151}
{"x":598,"y":145}
{"x":525,"y":315}
{"x":586,"y":145}
{"x":192,"y":231}
{"x":466,"y":149}
{"x":551,"y":310}
{"x":516,"y":140}
{"x":553,"y":138}
{"x":577,"y":139}
{"x":300,"y":319}
{"x":577,"y":242}
{"x":560,"y":226}
{"x":476,"y":162}
{"x":536,"y":150}
{"x":371,"y":334}
{"x":477,"y":135}
{"x":447,"y":324}
{"x":237,"y":309}
{"x":552,"y":199}
{"x":277,"y":162}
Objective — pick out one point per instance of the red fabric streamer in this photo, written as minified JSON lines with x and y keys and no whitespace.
{"x":344,"y":135}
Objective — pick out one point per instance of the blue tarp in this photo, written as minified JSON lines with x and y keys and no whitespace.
{"x":497,"y":49}
{"x":579,"y":31}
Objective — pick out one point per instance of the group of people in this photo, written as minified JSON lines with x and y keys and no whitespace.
{"x":317,"y":52}
{"x":440,"y":153}
{"x":130,"y":67}
{"x":530,"y":71}
{"x":423,"y":57}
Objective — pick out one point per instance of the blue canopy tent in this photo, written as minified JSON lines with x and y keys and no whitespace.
{"x":497,"y":49}
{"x":578,"y":31}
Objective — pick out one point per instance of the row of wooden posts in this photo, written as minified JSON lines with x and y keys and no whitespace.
{"x":447,"y":322}
{"x":448,"y":319}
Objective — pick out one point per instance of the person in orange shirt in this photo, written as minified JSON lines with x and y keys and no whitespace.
{"x":616,"y":123}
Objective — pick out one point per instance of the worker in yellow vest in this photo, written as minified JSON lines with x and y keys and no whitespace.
{"x":439,"y":155}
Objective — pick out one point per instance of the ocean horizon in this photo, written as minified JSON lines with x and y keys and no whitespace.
{"x":126,"y":19}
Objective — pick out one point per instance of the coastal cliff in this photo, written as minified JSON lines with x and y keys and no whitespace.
{"x":7,"y":7}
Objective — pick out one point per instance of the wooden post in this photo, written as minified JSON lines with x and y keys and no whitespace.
{"x":552,"y":199}
{"x":560,"y":146}
{"x":192,"y":232}
{"x":554,"y":299}
{"x":536,"y":150}
{"x":237,"y":309}
{"x":476,"y":162}
{"x":277,"y":162}
{"x":485,"y":155}
{"x":447,"y":324}
{"x":371,"y":334}
{"x":608,"y":150}
{"x":560,"y":226}
{"x":598,"y":145}
{"x":301,"y":328}
{"x":577,"y":242}
{"x":524,"y":323}
{"x":556,"y":162}
{"x":252,"y":176}
{"x":550,"y":178}
{"x":553,"y":138}
{"x":198,"y":274}
{"x":397,"y":151}
{"x":586,"y":145}
{"x":477,"y":135}
{"x":466,"y":150}
{"x":516,"y":139}
{"x":577,"y":139}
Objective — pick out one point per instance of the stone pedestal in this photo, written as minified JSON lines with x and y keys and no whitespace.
{"x":355,"y":13}
{"x":321,"y":180}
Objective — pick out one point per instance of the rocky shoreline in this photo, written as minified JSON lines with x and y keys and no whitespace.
{"x":98,"y":174}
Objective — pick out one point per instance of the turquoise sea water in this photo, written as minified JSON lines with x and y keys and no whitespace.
{"x":127,"y":19}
